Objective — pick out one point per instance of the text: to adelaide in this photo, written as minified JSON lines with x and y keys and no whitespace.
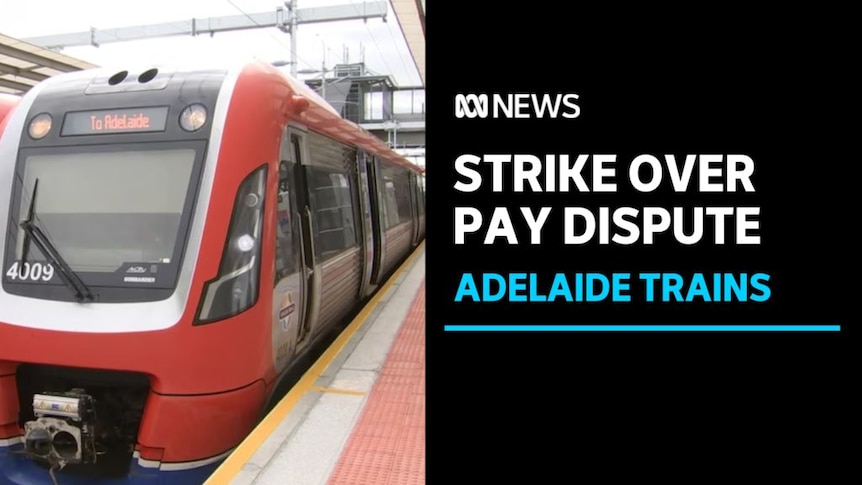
{"x":516,"y":105}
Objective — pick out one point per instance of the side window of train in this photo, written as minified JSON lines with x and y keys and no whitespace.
{"x":287,"y":229}
{"x":421,"y":196}
{"x":420,"y":205}
{"x":387,"y":199}
{"x":395,"y":197}
{"x":402,"y":196}
{"x":332,"y":205}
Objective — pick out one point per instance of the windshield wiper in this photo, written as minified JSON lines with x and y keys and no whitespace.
{"x":34,"y":234}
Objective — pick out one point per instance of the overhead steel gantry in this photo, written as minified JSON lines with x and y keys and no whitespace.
{"x":285,"y":18}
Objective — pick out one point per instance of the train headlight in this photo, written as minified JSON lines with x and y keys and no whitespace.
{"x":40,"y":126}
{"x":193,"y":117}
{"x":245,"y":243}
{"x":235,"y":288}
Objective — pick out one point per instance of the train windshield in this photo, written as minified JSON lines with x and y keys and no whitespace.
{"x":115,"y":217}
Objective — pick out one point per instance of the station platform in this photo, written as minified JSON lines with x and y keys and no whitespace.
{"x":357,"y":416}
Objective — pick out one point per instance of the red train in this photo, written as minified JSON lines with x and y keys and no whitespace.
{"x":172,"y":243}
{"x":7,"y":102}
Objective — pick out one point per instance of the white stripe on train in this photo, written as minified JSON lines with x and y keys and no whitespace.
{"x":186,"y":465}
{"x":11,"y":441}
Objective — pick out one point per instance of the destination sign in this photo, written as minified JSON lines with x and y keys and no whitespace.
{"x":130,"y":120}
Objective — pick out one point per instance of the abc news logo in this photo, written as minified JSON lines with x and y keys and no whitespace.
{"x":520,"y":105}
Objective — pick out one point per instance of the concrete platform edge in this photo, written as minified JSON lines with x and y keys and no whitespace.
{"x":306,"y":445}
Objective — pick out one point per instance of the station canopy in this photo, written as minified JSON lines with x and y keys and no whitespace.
{"x":23,"y":65}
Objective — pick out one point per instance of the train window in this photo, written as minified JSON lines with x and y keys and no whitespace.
{"x":420,"y":202}
{"x":402,"y":196}
{"x":386,"y":194}
{"x":287,"y":249}
{"x":391,"y":204}
{"x":395,"y":197}
{"x":422,"y":195}
{"x":100,"y":225}
{"x":332,"y":206}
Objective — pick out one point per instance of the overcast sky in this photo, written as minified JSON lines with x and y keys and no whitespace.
{"x":385,"y":50}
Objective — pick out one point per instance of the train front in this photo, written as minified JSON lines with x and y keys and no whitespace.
{"x":115,"y":248}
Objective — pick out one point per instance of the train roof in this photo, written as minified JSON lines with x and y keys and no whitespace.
{"x":321,"y":116}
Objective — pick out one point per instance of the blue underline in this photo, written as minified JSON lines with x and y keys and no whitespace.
{"x":642,"y":328}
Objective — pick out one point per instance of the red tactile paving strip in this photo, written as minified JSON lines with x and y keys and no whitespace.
{"x":387,"y":445}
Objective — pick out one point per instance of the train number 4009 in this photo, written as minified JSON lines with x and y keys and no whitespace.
{"x":32,"y":272}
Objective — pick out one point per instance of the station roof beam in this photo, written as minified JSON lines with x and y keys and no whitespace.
{"x":23,"y":65}
{"x":411,"y":17}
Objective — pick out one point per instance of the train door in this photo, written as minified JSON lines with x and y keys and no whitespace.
{"x":420,"y":198}
{"x":377,"y":215}
{"x":367,"y":209}
{"x":293,"y":271}
{"x":291,"y":285}
{"x":310,"y":266}
{"x":414,"y":202}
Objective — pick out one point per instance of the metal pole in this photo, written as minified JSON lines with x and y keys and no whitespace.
{"x":293,"y":60}
{"x":323,"y":72}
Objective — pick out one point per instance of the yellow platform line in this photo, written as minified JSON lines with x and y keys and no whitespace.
{"x":332,"y":390}
{"x":243,"y":453}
